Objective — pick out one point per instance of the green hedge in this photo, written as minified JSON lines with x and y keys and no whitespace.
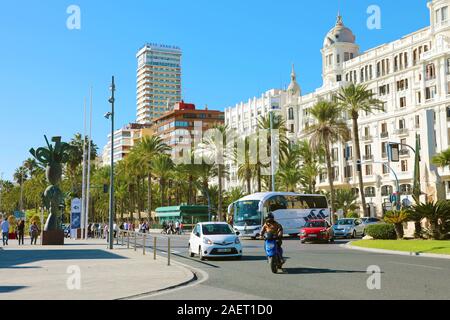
{"x":381,"y":231}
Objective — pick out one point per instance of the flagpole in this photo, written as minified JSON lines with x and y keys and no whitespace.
{"x":88,"y":186}
{"x":83,"y":180}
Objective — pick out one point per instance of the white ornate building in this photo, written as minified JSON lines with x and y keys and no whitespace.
{"x":411,"y":75}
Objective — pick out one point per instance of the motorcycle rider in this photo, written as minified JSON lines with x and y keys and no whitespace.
{"x":271,"y":226}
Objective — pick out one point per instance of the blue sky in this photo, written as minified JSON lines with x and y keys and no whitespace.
{"x":232,"y":50}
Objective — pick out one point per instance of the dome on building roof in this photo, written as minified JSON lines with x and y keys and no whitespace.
{"x":340,"y":33}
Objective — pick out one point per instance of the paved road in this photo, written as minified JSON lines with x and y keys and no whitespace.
{"x":313,"y":271}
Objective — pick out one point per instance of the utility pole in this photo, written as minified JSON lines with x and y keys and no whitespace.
{"x":88,"y":187}
{"x":83,"y":180}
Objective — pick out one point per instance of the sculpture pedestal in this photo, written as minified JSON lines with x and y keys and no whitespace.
{"x":53,"y":238}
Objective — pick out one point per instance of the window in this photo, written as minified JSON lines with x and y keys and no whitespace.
{"x":369,"y":170}
{"x":386,"y":170}
{"x":348,"y":153}
{"x":338,"y":58}
{"x":291,"y":113}
{"x":448,"y":112}
{"x":348,"y":171}
{"x":383,"y":90}
{"x":334,"y":154}
{"x":370,"y":192}
{"x":384,"y":149}
{"x":386,"y":191}
{"x":292,"y":128}
{"x":368,"y":150}
{"x":346,"y":56}
{"x":406,"y":189}
{"x":384,"y":128}
{"x":338,"y":78}
{"x":430,"y":71}
{"x":402,"y":102}
{"x":419,"y":97}
{"x":402,"y":85}
{"x":430,"y":93}
{"x":401,"y":124}
{"x":417,"y":121}
{"x":404,"y":165}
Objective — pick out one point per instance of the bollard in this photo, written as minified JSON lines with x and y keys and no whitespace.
{"x":135,"y":241}
{"x":122,"y":238}
{"x":143,"y":245}
{"x":154,"y":248}
{"x":128,"y":240}
{"x":168,"y":252}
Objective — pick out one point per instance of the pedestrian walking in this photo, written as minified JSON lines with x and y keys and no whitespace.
{"x":177,"y":227}
{"x":34,"y":233}
{"x":21,"y":231}
{"x":5,"y":231}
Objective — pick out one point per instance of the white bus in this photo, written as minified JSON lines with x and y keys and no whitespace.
{"x":291,"y":210}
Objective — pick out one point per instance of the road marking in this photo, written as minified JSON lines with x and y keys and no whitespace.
{"x":417,"y":265}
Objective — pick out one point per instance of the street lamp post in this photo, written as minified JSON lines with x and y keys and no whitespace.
{"x":111,"y":190}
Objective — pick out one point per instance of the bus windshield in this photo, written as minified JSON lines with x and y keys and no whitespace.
{"x":247,"y":212}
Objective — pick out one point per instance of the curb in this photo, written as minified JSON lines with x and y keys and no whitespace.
{"x":399,"y":253}
{"x":150,"y":293}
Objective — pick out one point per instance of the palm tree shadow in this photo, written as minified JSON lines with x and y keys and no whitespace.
{"x":318,"y":271}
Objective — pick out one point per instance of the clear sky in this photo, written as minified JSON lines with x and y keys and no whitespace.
{"x":232,"y":50}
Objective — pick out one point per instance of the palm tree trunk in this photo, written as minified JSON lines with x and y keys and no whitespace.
{"x":249,"y":188}
{"x":190,"y":191}
{"x":330,"y":180}
{"x":162,"y":191}
{"x":219,"y":205}
{"x":358,"y":157}
{"x":258,"y":177}
{"x":149,"y":194}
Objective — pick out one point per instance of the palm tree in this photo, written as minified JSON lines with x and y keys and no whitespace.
{"x":278,"y":123}
{"x":214,"y":149}
{"x":356,"y":99}
{"x":162,"y":166}
{"x":290,"y":177}
{"x":442,"y":159}
{"x":31,"y":165}
{"x":346,"y":200}
{"x":245,"y":167}
{"x":436,"y":213}
{"x":397,"y":218}
{"x":20,"y":176}
{"x":149,"y":147}
{"x":328,"y":129}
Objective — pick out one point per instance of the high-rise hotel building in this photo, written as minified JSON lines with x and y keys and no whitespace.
{"x":158,"y":81}
{"x":411,"y":75}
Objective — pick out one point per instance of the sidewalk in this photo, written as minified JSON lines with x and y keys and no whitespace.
{"x":36,"y":272}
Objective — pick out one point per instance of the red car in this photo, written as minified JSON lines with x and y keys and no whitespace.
{"x":317,"y":230}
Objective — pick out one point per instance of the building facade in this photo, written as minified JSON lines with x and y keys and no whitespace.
{"x":410,"y":75}
{"x":124,"y":140}
{"x":184,"y":119}
{"x":158,"y":81}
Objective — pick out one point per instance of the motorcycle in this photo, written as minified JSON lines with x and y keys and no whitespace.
{"x":273,"y":252}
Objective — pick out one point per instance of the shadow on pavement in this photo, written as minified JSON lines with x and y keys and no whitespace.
{"x":317,"y":271}
{"x":14,"y":258}
{"x":8,"y":289}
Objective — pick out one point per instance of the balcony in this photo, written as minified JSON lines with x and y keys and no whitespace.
{"x":384,"y":135}
{"x":404,"y":152}
{"x":369,"y":195}
{"x":368,"y":157}
{"x":366,"y":138}
{"x":402,"y":132}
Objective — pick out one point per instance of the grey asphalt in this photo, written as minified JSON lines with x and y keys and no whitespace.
{"x":312,"y":271}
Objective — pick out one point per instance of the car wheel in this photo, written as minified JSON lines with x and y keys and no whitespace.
{"x":191,"y":254}
{"x":332,"y":240}
{"x":354,"y":234}
{"x":363,"y":234}
{"x":200,"y":253}
{"x":303,"y":241}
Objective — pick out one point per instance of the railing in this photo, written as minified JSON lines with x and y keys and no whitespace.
{"x":402,"y":131}
{"x":366,"y":138}
{"x":404,"y":152}
{"x":138,"y":240}
{"x":368,"y":157}
{"x":384,"y":135}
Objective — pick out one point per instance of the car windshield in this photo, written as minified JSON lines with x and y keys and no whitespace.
{"x":216,"y":229}
{"x":315,"y":224}
{"x":247,"y":213}
{"x":345,"y":222}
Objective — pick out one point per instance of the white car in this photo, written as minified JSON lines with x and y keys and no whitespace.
{"x":214,"y":240}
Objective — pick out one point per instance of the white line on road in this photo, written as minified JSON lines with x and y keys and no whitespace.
{"x":416,"y":265}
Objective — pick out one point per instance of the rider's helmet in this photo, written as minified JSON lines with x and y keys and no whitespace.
{"x":270,"y":217}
